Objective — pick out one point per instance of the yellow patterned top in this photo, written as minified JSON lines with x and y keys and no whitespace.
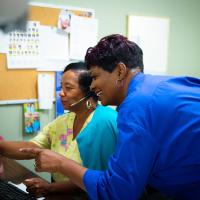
{"x":58,"y":136}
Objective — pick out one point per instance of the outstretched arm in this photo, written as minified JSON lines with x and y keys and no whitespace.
{"x":128,"y":170}
{"x":10,"y":149}
{"x":49,"y":161}
{"x":40,"y":187}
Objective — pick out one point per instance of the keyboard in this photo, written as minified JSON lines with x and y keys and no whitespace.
{"x":10,"y":192}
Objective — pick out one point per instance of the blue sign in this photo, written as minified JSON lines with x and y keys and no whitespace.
{"x":59,"y":108}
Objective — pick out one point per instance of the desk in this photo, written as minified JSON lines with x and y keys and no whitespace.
{"x":17,"y":173}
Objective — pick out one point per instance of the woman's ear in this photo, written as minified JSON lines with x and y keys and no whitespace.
{"x":121,"y":70}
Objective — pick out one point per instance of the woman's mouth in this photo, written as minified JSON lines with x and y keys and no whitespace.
{"x":64,"y":102}
{"x":99,"y":93}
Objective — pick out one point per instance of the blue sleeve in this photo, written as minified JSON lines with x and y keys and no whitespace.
{"x":128,"y":169}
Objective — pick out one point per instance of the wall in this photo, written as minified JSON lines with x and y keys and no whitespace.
{"x":11,"y":127}
{"x":184,"y":43}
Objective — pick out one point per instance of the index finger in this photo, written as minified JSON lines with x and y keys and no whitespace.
{"x":30,"y":181}
{"x":31,"y":151}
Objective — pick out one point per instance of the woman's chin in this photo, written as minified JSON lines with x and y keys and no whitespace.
{"x":66,"y":107}
{"x":104,"y":103}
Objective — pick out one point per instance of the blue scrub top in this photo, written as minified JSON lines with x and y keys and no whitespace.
{"x":159,"y":141}
{"x":95,"y":149}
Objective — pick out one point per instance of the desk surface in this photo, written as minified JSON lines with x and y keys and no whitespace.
{"x":17,"y":173}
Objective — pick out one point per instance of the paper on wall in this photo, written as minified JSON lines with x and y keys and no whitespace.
{"x":4,"y":38}
{"x":24,"y":47}
{"x":54,"y":49}
{"x":82,"y":36}
{"x":152,"y":35}
{"x":64,"y":20}
{"x":40,"y":47}
{"x":46,"y":88}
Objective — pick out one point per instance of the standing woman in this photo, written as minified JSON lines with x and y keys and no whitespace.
{"x":86,"y":134}
{"x":159,"y":128}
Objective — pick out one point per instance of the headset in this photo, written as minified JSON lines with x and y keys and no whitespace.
{"x":80,"y":100}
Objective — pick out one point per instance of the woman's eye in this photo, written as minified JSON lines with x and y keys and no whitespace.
{"x":94,"y":77}
{"x":68,"y":88}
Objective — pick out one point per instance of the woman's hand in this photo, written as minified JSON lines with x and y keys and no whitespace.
{"x":37,"y":186}
{"x":45,"y":160}
{"x":49,"y":161}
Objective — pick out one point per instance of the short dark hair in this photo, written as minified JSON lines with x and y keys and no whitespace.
{"x":84,"y":79}
{"x":112,"y":50}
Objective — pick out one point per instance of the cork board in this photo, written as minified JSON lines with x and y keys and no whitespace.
{"x":21,"y":84}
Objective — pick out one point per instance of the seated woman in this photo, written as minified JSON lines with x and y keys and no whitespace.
{"x":87,"y":134}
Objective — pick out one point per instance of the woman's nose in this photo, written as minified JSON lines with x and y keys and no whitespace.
{"x":92,"y":86}
{"x":62,"y":94}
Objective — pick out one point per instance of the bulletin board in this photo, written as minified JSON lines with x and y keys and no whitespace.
{"x":21,"y":84}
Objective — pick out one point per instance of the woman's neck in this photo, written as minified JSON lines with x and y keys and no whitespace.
{"x":130,"y":75}
{"x":80,"y":119}
{"x":83,"y":114}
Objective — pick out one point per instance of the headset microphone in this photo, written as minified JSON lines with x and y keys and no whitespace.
{"x":80,"y":100}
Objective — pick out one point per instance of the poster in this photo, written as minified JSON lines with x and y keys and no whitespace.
{"x":64,"y":19}
{"x":24,"y":48}
{"x":31,"y":118}
{"x":83,"y":35}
